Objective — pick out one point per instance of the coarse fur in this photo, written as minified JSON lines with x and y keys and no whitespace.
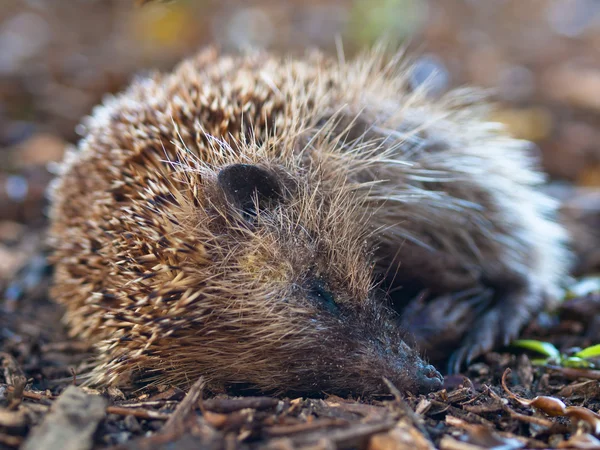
{"x":238,"y":217}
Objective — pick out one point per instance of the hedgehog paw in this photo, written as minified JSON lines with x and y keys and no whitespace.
{"x":496,"y":328}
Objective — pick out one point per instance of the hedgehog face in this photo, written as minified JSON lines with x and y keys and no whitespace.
{"x":305,"y":316}
{"x":247,"y":274}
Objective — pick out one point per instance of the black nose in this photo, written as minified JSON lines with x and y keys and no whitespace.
{"x":429,"y":379}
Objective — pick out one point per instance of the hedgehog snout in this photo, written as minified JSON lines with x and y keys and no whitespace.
{"x":428,"y":378}
{"x":411,"y":369}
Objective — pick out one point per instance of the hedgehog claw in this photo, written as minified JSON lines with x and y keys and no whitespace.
{"x":496,"y":328}
{"x":481,"y":339}
{"x":456,"y":360}
{"x":469,"y":356}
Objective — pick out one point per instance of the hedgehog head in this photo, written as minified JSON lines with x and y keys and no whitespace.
{"x":268,"y":285}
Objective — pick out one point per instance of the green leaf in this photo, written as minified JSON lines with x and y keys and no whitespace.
{"x":539,"y":362}
{"x":575,"y":362}
{"x":589,"y":352}
{"x":545,"y":348}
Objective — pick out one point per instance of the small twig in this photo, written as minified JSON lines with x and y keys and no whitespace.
{"x":15,"y":378}
{"x":127,"y":410}
{"x":285,"y":430}
{"x":175,"y":423}
{"x":415,"y":419}
{"x":33,"y":395}
{"x":576,"y":374}
{"x":532,"y":419}
{"x":355,"y":436}
{"x":150,"y":403}
{"x":473,"y":399}
{"x":393,"y":390}
{"x":137,"y":412}
{"x":229,"y":405}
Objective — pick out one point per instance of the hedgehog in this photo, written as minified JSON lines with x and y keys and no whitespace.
{"x":297,"y":225}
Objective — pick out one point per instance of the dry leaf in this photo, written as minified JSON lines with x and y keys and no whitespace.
{"x":555,"y":407}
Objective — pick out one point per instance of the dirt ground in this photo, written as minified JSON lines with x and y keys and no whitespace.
{"x":57,"y":60}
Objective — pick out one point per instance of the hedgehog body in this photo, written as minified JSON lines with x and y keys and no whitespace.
{"x":240,"y":218}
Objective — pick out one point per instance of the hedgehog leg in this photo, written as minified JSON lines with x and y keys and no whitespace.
{"x":512,"y":309}
{"x":412,"y":264}
{"x":439,"y":324}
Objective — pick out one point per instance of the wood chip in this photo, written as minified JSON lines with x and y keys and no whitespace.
{"x":12,"y":419}
{"x":403,"y":436}
{"x":70,"y":424}
{"x":586,"y":389}
{"x":286,"y":430}
{"x":14,"y":376}
{"x":140,"y":413}
{"x":176,"y":423}
{"x":228,"y":405}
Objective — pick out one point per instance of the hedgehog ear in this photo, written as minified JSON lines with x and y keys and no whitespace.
{"x":242,"y":183}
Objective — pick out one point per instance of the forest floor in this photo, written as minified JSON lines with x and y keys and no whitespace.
{"x":501,"y":401}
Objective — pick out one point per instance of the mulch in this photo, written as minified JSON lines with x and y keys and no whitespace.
{"x":43,"y":404}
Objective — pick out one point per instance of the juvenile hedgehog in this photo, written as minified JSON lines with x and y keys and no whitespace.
{"x":243,"y":217}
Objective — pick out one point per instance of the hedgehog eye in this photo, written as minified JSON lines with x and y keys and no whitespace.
{"x":318,"y":293}
{"x":243,"y":183}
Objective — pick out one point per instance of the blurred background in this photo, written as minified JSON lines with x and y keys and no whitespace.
{"x":59,"y":57}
